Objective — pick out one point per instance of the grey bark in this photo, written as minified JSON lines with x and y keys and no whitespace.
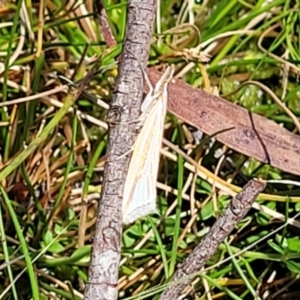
{"x":128,"y":93}
{"x":236,"y":210}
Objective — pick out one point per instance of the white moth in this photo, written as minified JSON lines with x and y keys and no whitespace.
{"x":139,"y":197}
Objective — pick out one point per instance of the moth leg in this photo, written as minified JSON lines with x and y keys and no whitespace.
{"x":126,"y":153}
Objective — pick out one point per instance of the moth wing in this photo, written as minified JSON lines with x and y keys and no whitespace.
{"x":140,"y":189}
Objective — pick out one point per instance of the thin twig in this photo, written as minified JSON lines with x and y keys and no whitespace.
{"x":103,"y":20}
{"x":237,"y":209}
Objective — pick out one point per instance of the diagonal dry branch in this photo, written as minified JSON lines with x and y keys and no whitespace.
{"x":125,"y":107}
{"x":253,"y":135}
{"x":236,"y":210}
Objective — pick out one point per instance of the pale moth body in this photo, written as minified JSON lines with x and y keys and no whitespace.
{"x":139,"y":198}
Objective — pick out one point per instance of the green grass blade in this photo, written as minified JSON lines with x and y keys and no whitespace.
{"x":24,"y":247}
{"x":36,"y":142}
{"x":6,"y":255}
